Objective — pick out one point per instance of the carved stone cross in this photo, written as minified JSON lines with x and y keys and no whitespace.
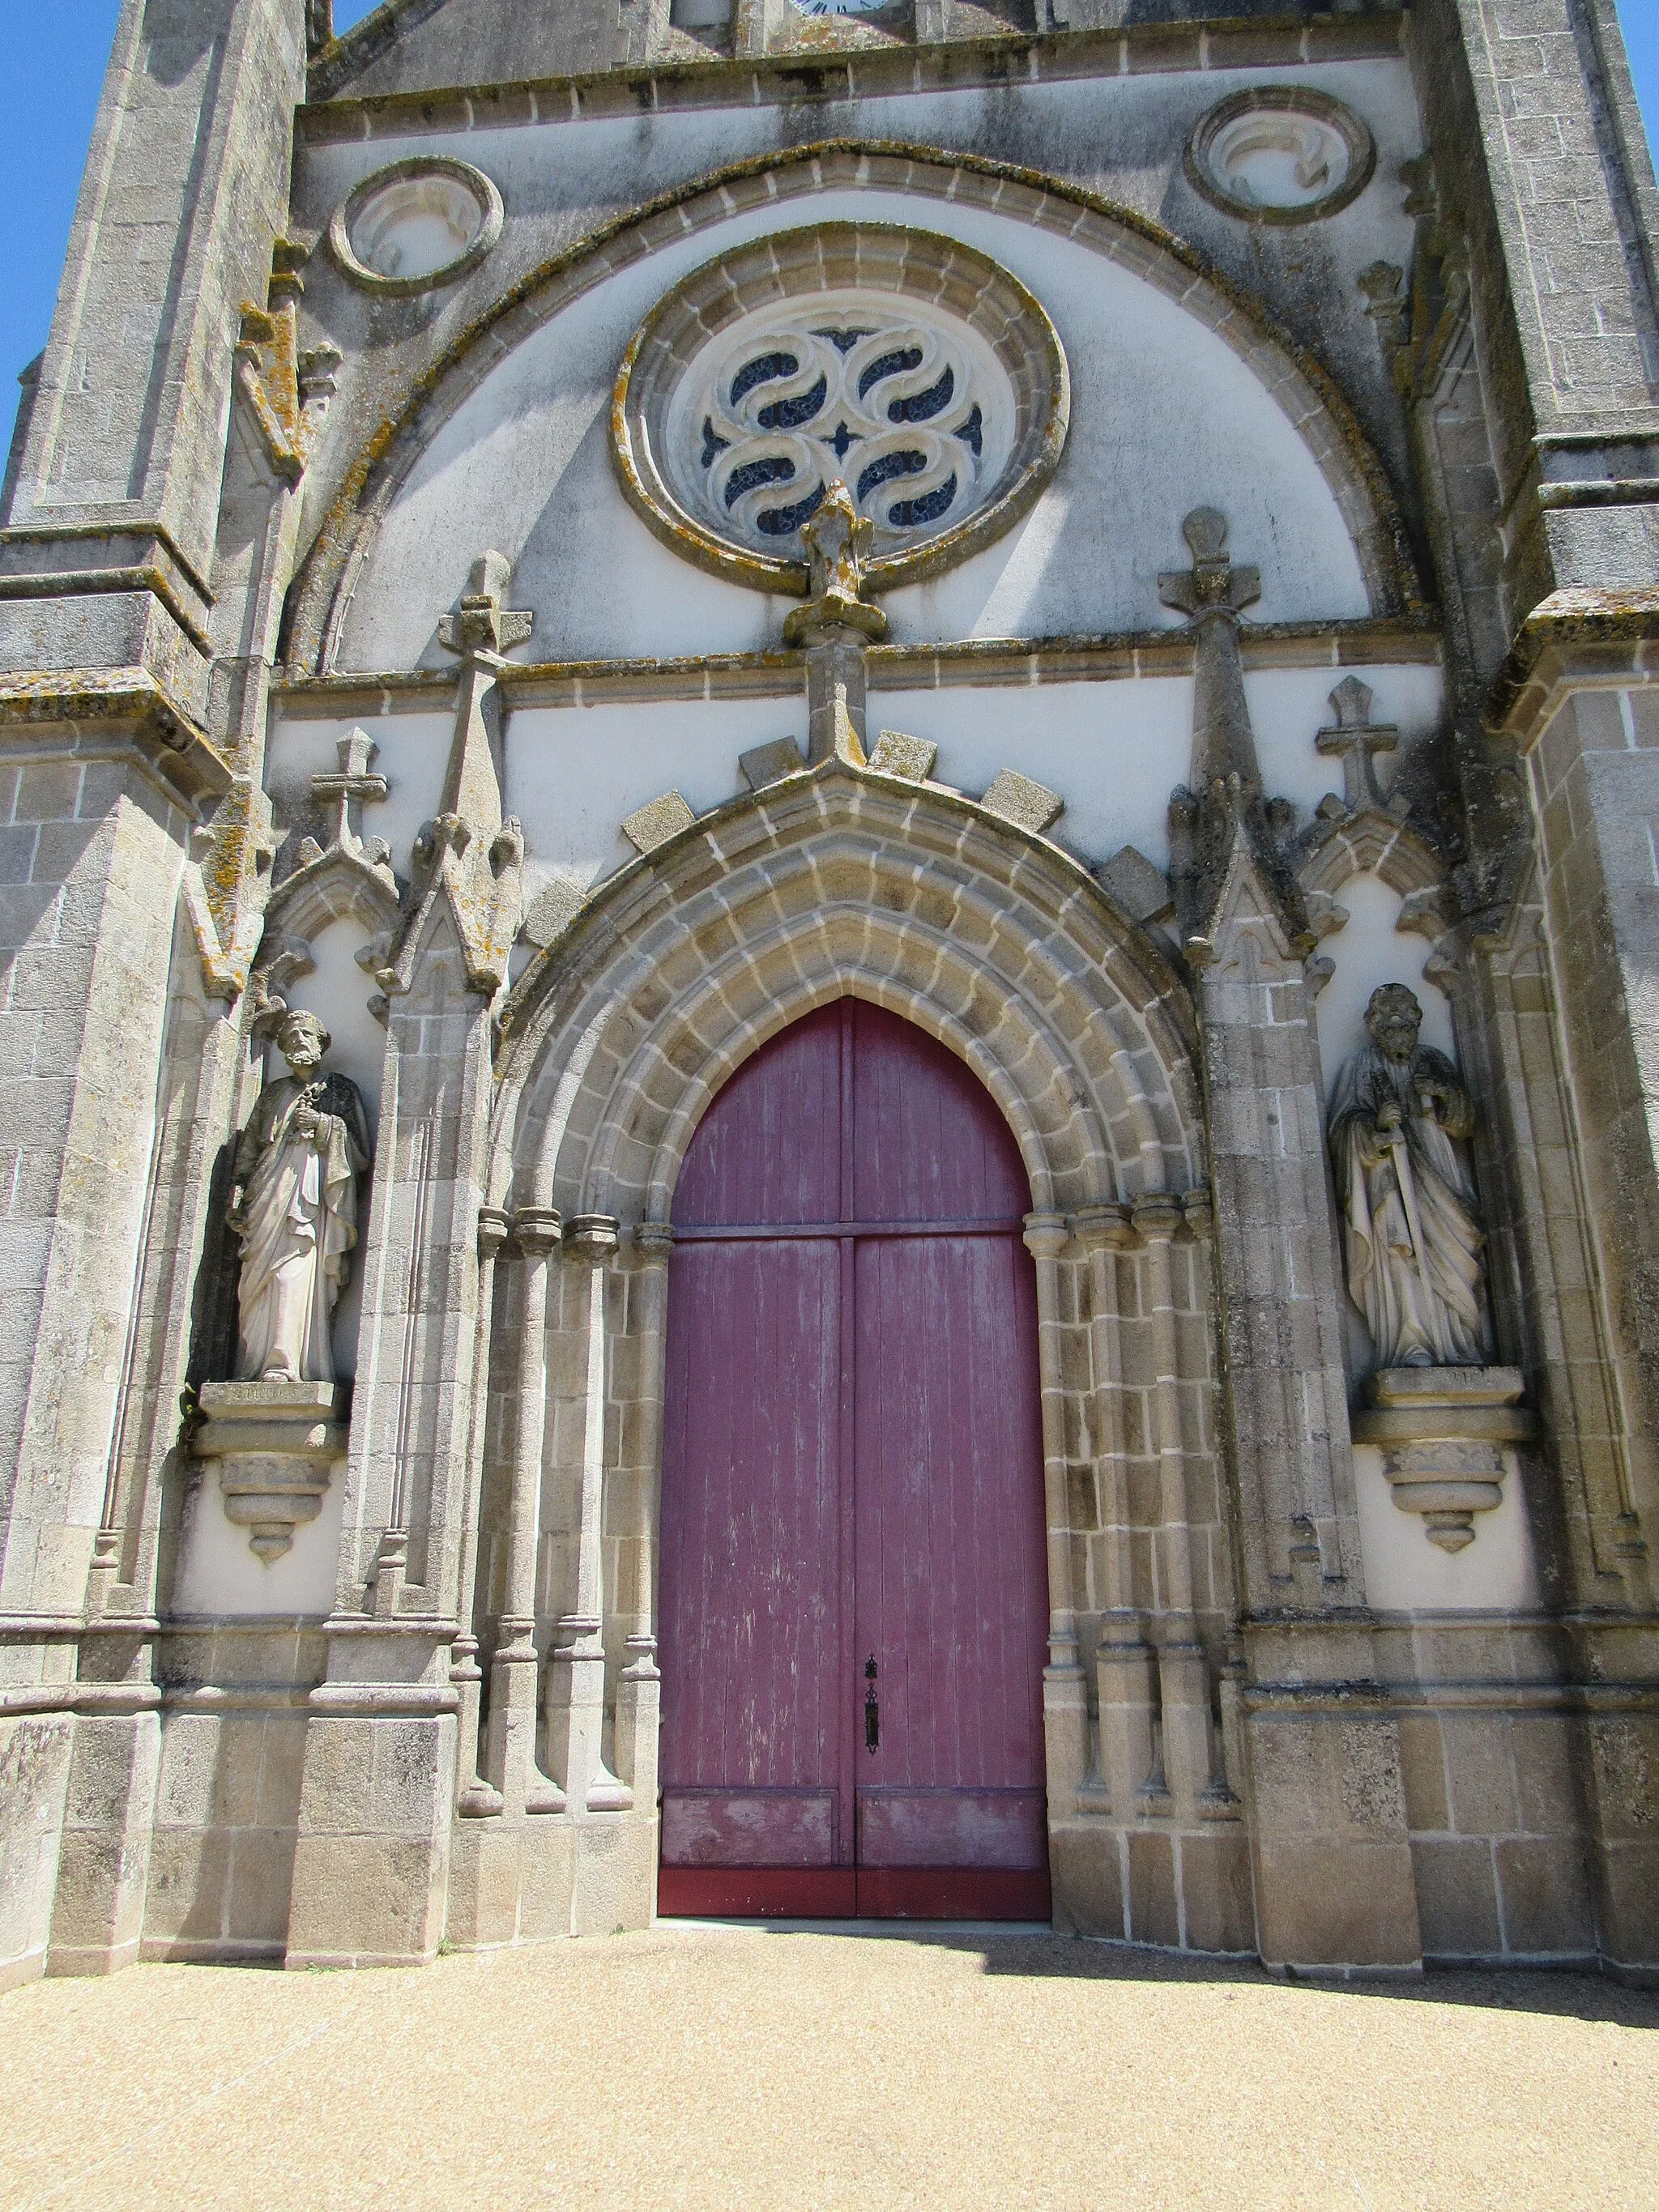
{"x":1355,"y":740}
{"x":482,"y":629}
{"x":352,"y":787}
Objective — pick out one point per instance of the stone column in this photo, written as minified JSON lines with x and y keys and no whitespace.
{"x":510,"y":1765}
{"x":575,"y":1682}
{"x":1125,"y":1659}
{"x":639,"y":1688}
{"x":1183,"y":1674}
{"x":477,"y":1798}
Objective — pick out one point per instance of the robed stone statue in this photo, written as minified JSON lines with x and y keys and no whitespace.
{"x":294,"y":1208}
{"x":1400,"y":1120}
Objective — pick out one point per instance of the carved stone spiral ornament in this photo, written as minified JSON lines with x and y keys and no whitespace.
{"x":907,"y":367}
{"x":898,"y":407}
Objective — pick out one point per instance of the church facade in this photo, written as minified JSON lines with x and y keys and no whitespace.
{"x":829,"y":883}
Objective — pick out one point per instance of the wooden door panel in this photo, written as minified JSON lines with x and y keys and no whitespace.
{"x":953,"y":1828}
{"x":927,"y":1141}
{"x":751,"y":1601}
{"x":769,"y":1149}
{"x":748,"y":1827}
{"x":952,"y":1893}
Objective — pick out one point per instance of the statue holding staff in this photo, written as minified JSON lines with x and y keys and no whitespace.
{"x":1400,"y":1120}
{"x":294,"y":1208}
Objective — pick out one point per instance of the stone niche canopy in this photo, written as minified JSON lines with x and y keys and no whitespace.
{"x":910,"y":367}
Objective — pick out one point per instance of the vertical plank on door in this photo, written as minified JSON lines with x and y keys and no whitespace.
{"x":949,"y":1561}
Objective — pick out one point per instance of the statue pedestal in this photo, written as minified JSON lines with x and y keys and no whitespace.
{"x":276,"y":1443}
{"x":1442,"y":1432}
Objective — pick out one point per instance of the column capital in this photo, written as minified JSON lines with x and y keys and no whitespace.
{"x":536,"y":1230}
{"x":1107,"y":1227}
{"x":493,"y":1229}
{"x":1200,"y":1210}
{"x":594,"y":1236}
{"x":1156,"y":1216}
{"x":1047,"y":1235}
{"x":653,"y":1240}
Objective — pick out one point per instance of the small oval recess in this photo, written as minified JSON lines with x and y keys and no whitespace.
{"x":417,"y":224}
{"x":1278,"y":153}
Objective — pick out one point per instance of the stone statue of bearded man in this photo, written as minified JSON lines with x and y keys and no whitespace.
{"x":1400,"y":1120}
{"x":295,"y":1207}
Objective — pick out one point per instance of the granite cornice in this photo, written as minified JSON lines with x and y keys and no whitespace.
{"x":117,"y":531}
{"x":1576,"y":638}
{"x":1108,"y":657}
{"x":100,"y":707}
{"x":1292,"y":38}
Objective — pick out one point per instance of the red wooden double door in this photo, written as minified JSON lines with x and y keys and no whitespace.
{"x":853,"y":1588}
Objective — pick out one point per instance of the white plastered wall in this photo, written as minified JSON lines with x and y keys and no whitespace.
{"x":1165,"y":418}
{"x":1112,"y":750}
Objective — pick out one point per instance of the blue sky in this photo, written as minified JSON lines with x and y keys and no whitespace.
{"x":52,"y":63}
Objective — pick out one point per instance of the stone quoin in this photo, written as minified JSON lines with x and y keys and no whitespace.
{"x":947,"y":717}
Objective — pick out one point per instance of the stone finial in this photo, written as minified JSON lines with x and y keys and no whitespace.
{"x":470,"y":851}
{"x":1213,"y":593}
{"x":836,"y":538}
{"x":1355,"y":740}
{"x":481,"y":626}
{"x":1221,"y":810}
{"x":1213,"y":586}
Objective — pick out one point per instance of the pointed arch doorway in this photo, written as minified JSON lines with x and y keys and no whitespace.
{"x":854,"y":1593}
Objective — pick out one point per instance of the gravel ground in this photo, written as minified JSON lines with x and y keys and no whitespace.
{"x":737,"y":2067}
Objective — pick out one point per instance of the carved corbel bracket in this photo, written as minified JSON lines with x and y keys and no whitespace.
{"x":1442,"y":1432}
{"x":276,"y":1444}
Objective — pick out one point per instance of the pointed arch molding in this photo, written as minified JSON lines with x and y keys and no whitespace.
{"x":1299,"y":383}
{"x":833,"y":882}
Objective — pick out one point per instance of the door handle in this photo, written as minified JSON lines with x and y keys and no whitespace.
{"x":871,"y":1707}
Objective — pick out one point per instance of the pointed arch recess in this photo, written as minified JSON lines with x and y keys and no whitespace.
{"x":845,"y":882}
{"x":1300,"y":384}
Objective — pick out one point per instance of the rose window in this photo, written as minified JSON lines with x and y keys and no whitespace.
{"x":909,"y":416}
{"x":908,"y":368}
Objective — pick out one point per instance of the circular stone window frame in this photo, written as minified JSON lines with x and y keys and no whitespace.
{"x":486,"y":194}
{"x":1281,"y":100}
{"x":783,"y":270}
